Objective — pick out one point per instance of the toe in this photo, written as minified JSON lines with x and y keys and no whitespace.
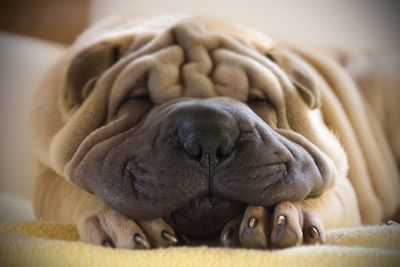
{"x":123,"y":232}
{"x":253,"y":228}
{"x":159,"y":233}
{"x":313,"y":231}
{"x":90,"y":231}
{"x":286,"y":226}
{"x":230,"y":234}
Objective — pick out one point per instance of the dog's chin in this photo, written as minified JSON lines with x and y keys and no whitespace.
{"x":204,"y":217}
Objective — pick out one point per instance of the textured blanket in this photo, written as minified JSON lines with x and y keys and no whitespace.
{"x":53,"y":244}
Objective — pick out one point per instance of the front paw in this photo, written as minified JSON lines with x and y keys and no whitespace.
{"x":110,"y":228}
{"x":288,"y":224}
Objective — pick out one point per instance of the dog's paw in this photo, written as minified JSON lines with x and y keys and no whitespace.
{"x":111,"y":229}
{"x":288,"y":224}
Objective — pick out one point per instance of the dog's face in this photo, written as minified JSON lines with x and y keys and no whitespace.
{"x":192,"y":127}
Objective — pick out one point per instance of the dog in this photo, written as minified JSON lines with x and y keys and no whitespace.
{"x":154,"y":131}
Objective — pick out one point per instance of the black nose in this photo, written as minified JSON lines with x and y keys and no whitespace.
{"x":206,"y":132}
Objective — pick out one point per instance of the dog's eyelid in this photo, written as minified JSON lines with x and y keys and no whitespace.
{"x":258,"y":99}
{"x":253,"y":98}
{"x":115,"y":54}
{"x":257,"y":95}
{"x":141,"y":97}
{"x":140,"y":94}
{"x":270,"y":57}
{"x":87,"y":89}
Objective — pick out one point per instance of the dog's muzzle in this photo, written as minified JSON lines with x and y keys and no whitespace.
{"x":198,"y":162}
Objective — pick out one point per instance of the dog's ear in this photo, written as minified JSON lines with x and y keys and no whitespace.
{"x":84,"y":69}
{"x":299,"y":74}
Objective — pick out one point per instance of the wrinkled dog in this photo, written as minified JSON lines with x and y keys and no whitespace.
{"x":153,"y":131}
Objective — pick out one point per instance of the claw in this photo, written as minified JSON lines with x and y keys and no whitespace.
{"x":391,"y":222}
{"x":227,"y":234}
{"x":252,"y":222}
{"x":281,"y":220}
{"x":142,"y":243}
{"x":314,"y":232}
{"x":108,"y":243}
{"x":183,"y":240}
{"x":169,"y":237}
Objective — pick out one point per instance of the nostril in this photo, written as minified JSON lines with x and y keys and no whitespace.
{"x":193,"y":149}
{"x":220,"y":153}
{"x":208,"y":149}
{"x":224,"y":150}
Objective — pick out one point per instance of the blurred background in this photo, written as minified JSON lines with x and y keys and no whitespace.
{"x":35,"y":33}
{"x":355,"y":23}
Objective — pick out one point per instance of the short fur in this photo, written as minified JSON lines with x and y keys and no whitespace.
{"x":126,"y":82}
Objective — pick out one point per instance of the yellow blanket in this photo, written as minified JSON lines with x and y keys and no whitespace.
{"x":53,"y":244}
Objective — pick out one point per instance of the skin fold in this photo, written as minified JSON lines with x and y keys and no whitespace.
{"x":152,"y":132}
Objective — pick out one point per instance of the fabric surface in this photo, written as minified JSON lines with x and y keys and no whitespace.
{"x":54,"y":244}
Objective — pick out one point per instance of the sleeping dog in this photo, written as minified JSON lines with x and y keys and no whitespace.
{"x":153,"y":131}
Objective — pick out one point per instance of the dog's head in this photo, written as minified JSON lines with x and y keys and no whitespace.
{"x":178,"y":120}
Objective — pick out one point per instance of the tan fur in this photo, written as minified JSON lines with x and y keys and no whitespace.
{"x":368,"y":193}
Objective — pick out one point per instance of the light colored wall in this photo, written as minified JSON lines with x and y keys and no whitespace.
{"x":24,"y":61}
{"x":348,"y":23}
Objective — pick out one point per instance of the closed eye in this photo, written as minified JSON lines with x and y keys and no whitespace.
{"x":115,"y":54}
{"x":143,"y":97}
{"x":140,"y":94}
{"x":253,"y":99}
{"x":263,"y":107}
{"x":256,"y":95}
{"x":270,"y":57}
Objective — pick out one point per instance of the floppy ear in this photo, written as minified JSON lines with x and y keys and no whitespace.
{"x":299,"y":74}
{"x":84,"y":69}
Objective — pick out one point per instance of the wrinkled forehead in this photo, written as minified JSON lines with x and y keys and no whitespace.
{"x":176,"y":56}
{"x":131,"y":27}
{"x":194,"y":57}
